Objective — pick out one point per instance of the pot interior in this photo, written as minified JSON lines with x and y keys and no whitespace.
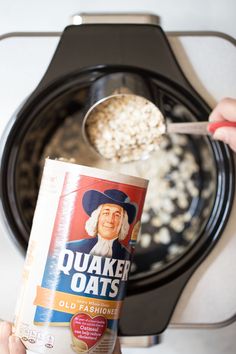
{"x":182,"y":174}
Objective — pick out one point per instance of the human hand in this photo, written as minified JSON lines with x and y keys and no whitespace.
{"x":225,"y":110}
{"x":9,"y":344}
{"x":117,"y":349}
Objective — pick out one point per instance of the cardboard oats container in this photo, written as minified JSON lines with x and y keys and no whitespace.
{"x":83,"y":236}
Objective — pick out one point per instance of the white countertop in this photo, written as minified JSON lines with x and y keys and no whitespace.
{"x":53,"y":15}
{"x":202,"y":301}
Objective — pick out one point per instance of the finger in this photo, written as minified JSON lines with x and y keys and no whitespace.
{"x":227,"y":135}
{"x":5,"y":332}
{"x":16,"y":346}
{"x":224,"y":110}
{"x":117,"y":349}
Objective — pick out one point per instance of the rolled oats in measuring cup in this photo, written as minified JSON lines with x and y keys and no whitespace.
{"x":78,"y":260}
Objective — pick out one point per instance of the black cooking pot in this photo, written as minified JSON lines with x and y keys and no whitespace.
{"x":200,"y":170}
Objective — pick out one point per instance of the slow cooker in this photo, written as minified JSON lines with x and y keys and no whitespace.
{"x":95,"y":58}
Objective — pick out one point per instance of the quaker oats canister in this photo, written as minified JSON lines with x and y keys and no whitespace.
{"x":78,"y":260}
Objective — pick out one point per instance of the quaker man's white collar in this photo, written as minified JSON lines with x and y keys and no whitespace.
{"x":103,"y":247}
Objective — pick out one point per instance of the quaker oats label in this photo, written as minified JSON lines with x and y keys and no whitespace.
{"x":78,"y":261}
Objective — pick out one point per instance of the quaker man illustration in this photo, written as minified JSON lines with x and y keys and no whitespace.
{"x":110,"y":215}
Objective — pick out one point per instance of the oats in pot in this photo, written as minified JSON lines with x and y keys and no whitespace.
{"x":157,"y":265}
{"x":163,"y":236}
{"x":145,"y":240}
{"x":145,"y":217}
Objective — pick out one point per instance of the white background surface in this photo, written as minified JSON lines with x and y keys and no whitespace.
{"x":29,"y":15}
{"x":216,"y":15}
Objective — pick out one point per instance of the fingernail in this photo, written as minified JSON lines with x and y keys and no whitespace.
{"x":16,"y":345}
{"x":219,"y":135}
{"x":210,"y":118}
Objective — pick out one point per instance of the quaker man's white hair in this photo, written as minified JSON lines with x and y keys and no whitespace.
{"x":91,"y":225}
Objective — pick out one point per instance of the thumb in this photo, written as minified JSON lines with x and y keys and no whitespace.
{"x":16,"y":346}
{"x":227,"y":135}
{"x":117,"y":349}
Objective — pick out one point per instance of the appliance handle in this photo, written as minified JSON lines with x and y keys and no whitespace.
{"x":135,"y":18}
